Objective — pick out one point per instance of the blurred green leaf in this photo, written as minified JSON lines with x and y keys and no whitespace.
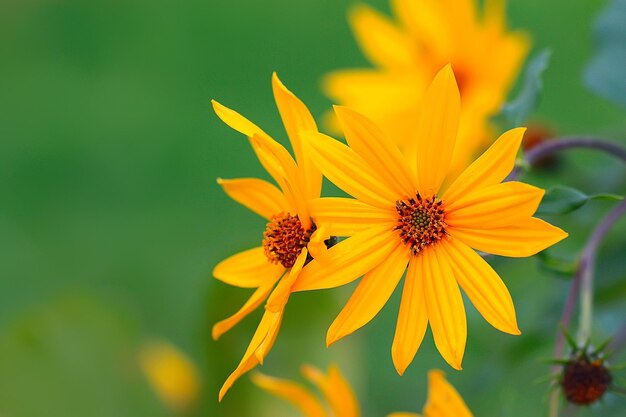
{"x":557,"y":264}
{"x":517,"y":111}
{"x":605,"y":74}
{"x":561,"y":199}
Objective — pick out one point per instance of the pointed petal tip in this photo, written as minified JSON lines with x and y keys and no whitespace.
{"x":400,"y":368}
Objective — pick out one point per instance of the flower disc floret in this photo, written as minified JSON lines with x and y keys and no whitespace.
{"x":585,"y":380}
{"x":284,"y":238}
{"x":421,"y":222}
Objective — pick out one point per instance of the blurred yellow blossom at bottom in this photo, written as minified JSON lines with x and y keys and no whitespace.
{"x":171,"y":373}
{"x":443,"y":400}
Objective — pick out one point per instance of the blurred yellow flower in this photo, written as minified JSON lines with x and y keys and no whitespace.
{"x":407,"y":54}
{"x":402,"y":216}
{"x":171,"y":373}
{"x":443,"y":400}
{"x":290,"y":235}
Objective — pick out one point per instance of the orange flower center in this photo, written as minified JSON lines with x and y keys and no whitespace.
{"x":421,"y":222}
{"x":585,"y":381}
{"x":284,"y":238}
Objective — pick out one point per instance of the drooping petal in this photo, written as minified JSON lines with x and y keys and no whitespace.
{"x":259,"y":196}
{"x":412,"y":318}
{"x":264,"y":335}
{"x":443,"y":400}
{"x":383,"y":42}
{"x":280,"y":295}
{"x":366,"y":139}
{"x":348,"y":171}
{"x":491,"y":168}
{"x":253,"y":302}
{"x":444,"y":306}
{"x":291,"y":392}
{"x":247,"y":269}
{"x":495,"y":206}
{"x":370,"y":295}
{"x":347,"y":260}
{"x":338,"y":393}
{"x":482,"y":284}
{"x":347,"y":216}
{"x":297,"y":118}
{"x":317,"y":244}
{"x":522,"y":239}
{"x":436,"y":131}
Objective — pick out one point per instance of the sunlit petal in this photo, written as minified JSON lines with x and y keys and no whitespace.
{"x":259,"y":196}
{"x":247,"y":269}
{"x":347,"y":216}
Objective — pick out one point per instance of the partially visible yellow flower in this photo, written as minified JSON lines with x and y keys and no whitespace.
{"x":335,"y":389}
{"x":171,"y":373}
{"x":407,"y":54}
{"x":401,"y":219}
{"x":443,"y":400}
{"x":290,"y":235}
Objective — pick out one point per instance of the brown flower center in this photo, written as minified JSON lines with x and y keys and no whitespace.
{"x":421,"y":221}
{"x":584,"y":381}
{"x":284,"y":238}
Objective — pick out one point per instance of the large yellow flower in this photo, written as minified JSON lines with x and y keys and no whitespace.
{"x":290,"y":235}
{"x":486,"y":59}
{"x":443,"y":400}
{"x":401,"y":216}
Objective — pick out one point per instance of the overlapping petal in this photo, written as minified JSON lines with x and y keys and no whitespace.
{"x":495,"y":206}
{"x":347,"y":216}
{"x":259,"y":196}
{"x":482,"y":284}
{"x":370,"y":295}
{"x":336,"y":390}
{"x":280,"y":295}
{"x":519,"y":240}
{"x":247,"y":269}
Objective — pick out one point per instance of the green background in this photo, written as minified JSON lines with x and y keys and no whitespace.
{"x":111,"y":220}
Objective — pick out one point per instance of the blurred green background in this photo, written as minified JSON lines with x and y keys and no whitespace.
{"x":111,"y":220}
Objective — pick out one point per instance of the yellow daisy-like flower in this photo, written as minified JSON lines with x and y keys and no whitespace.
{"x":335,"y":389}
{"x":486,"y":59}
{"x":401,"y":216}
{"x":443,"y":400}
{"x":290,"y":235}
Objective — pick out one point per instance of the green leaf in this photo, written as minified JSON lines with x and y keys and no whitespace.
{"x":559,"y":265}
{"x":604,"y":74}
{"x":562,"y":200}
{"x":517,"y":111}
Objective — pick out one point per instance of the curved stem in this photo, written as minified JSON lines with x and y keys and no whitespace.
{"x":552,"y":146}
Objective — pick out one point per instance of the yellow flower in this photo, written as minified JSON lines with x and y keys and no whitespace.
{"x":335,"y":389}
{"x":486,"y":59}
{"x":289,"y":237}
{"x":443,"y":400}
{"x":171,"y":373}
{"x":401,"y":216}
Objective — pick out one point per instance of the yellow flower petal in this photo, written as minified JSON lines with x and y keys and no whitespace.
{"x":426,"y":20}
{"x":382,"y":42}
{"x":297,"y":118}
{"x":265,"y":333}
{"x":247,"y":269}
{"x":347,"y":260}
{"x":370,"y":295}
{"x":236,"y":121}
{"x":490,"y":169}
{"x":403,"y":414}
{"x":496,"y":206}
{"x":253,"y":302}
{"x":280,"y":295}
{"x":347,"y":170}
{"x":482,"y":284}
{"x":259,"y":196}
{"x":291,"y":392}
{"x":347,"y":216}
{"x":369,"y":143}
{"x":287,"y":175}
{"x":412,"y":318}
{"x":443,"y":399}
{"x":338,"y":393}
{"x":522,"y":239}
{"x":436,"y":131}
{"x":317,"y":244}
{"x":444,"y":306}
